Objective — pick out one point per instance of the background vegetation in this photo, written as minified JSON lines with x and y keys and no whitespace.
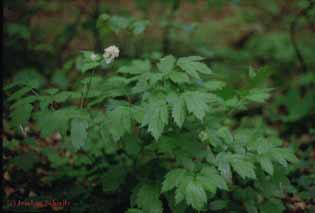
{"x":248,"y":45}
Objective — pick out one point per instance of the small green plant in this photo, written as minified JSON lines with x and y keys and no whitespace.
{"x":166,"y":126}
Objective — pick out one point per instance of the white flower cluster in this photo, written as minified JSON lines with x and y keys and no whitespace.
{"x":110,"y":53}
{"x":93,"y":57}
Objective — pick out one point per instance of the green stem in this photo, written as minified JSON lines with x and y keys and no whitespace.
{"x":88,"y":87}
{"x":34,"y":92}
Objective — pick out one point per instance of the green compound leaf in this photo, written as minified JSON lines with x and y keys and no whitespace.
{"x":156,"y":118}
{"x":166,"y":64}
{"x":173,"y":179}
{"x":196,"y":103}
{"x":214,"y":85}
{"x":244,"y":168}
{"x":148,"y":198}
{"x":282,"y":155}
{"x":119,"y":122}
{"x":178,"y":111}
{"x":226,"y":135}
{"x":139,"y":27}
{"x":58,"y":120}
{"x":195,"y":195}
{"x":21,"y":114}
{"x":192,"y":66}
{"x":258,"y":95}
{"x":214,"y":178}
{"x":179,"y":77}
{"x":78,"y":132}
{"x":266,"y":165}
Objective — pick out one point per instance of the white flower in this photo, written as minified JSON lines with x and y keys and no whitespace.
{"x":93,"y":56}
{"x":110,"y":53}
